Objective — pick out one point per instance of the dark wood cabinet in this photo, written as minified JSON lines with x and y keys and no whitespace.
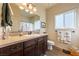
{"x":4,"y":51}
{"x":14,"y":50}
{"x":35,"y":47}
{"x":45,"y":44}
{"x":32,"y":47}
{"x":42,"y":45}
{"x":29,"y":47}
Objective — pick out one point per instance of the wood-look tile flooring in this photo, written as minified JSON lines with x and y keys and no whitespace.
{"x":56,"y":52}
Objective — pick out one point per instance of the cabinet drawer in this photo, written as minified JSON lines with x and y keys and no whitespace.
{"x":40,"y":40}
{"x":17,"y":53}
{"x":29,"y":43}
{"x":16,"y":47}
{"x":6,"y":51}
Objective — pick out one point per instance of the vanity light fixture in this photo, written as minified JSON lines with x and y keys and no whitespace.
{"x":28,"y":7}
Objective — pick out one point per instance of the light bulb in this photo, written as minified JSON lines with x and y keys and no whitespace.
{"x":31,"y":12}
{"x":34,"y":9}
{"x":21,"y":7}
{"x":27,"y":10}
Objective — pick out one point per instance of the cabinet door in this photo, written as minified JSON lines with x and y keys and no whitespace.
{"x":29,"y":51}
{"x":4,"y":51}
{"x":29,"y":48}
{"x":45,"y":44}
{"x":12,"y":50}
{"x":40,"y":46}
{"x":16,"y":49}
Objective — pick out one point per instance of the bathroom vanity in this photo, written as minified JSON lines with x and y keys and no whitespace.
{"x":26,"y":45}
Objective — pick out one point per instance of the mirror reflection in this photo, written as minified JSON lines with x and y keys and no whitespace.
{"x":32,"y":23}
{"x":24,"y":21}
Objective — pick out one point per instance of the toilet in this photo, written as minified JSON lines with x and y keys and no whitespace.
{"x":50,"y":44}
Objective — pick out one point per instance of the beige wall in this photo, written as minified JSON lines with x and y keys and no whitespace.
{"x":42,"y":13}
{"x":50,"y":13}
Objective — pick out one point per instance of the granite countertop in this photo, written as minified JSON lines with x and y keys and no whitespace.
{"x":17,"y":39}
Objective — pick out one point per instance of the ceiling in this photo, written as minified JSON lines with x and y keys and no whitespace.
{"x":41,"y":5}
{"x":44,"y":5}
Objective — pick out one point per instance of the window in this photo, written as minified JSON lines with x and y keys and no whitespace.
{"x":37,"y":25}
{"x":65,"y":20}
{"x":26,"y":26}
{"x":29,"y":27}
{"x":59,"y":21}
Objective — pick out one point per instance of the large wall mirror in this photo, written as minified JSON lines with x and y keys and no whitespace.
{"x":32,"y":23}
{"x":23,"y":21}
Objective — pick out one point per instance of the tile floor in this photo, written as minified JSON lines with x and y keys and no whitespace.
{"x":56,"y":52}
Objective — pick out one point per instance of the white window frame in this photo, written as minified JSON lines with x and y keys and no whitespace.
{"x":74,"y":10}
{"x":74,"y":17}
{"x":39,"y":27}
